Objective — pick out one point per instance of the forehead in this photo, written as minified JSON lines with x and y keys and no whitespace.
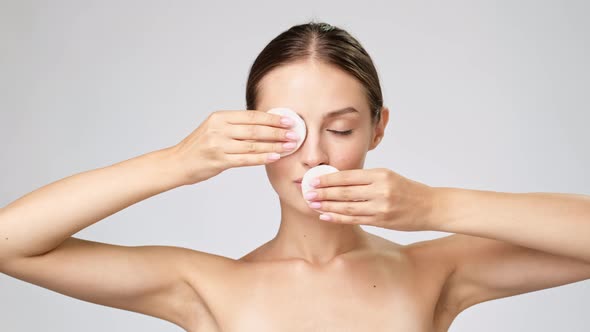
{"x":311,"y":87}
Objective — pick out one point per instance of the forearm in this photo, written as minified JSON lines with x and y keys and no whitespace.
{"x":41,"y":220}
{"x":552,"y":222}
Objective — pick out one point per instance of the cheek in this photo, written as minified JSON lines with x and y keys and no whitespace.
{"x":277,"y":170}
{"x":272,"y":170}
{"x":348,"y":155}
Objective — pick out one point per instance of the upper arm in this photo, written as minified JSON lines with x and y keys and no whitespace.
{"x":487,"y":269}
{"x":152,"y":280}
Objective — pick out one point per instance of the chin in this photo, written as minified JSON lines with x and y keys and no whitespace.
{"x":290,"y":194}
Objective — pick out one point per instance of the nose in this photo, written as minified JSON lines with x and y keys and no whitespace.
{"x":312,"y":151}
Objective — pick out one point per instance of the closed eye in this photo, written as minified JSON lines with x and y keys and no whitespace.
{"x":346,"y":132}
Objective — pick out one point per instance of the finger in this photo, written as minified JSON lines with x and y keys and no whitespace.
{"x":345,"y":208}
{"x":244,"y":147}
{"x":344,"y":219}
{"x":257,"y":132}
{"x":345,"y":178}
{"x":342,"y":193}
{"x":257,"y":117}
{"x":251,"y":159}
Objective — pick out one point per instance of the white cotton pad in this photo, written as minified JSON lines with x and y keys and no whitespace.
{"x":299,"y":126}
{"x":313,"y":173}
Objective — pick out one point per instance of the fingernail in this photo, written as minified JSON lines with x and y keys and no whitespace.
{"x":289,"y":145}
{"x":310,"y":195}
{"x":292,"y":135}
{"x":286,"y":121}
{"x":273,"y":156}
{"x":325,"y":217}
{"x":315,"y":182}
{"x":315,"y":205}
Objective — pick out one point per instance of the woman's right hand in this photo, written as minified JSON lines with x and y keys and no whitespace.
{"x":229,"y":139}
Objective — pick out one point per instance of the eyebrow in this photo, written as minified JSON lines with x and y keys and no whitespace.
{"x":340,"y":112}
{"x":336,"y":113}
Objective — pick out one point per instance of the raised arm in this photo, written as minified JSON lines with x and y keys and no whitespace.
{"x":511,"y":243}
{"x":36,"y":243}
{"x":41,"y":220}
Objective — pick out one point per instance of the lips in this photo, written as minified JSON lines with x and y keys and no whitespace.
{"x":298,"y":180}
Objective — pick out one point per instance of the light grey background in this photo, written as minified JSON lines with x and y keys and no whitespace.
{"x":489,"y":95}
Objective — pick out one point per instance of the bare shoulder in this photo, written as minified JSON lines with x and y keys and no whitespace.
{"x":429,"y":257}
{"x":418,"y":253}
{"x":436,"y":260}
{"x":206,"y":270}
{"x":438,"y":249}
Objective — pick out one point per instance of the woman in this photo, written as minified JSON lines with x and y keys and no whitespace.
{"x":317,"y":274}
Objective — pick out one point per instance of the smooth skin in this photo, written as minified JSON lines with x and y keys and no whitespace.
{"x":315,"y":274}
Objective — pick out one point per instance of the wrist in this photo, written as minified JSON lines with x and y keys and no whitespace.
{"x":452,"y":206}
{"x":437,"y":208}
{"x":170,"y":169}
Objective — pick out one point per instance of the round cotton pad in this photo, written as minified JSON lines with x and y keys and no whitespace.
{"x":313,"y":173}
{"x":298,"y":127}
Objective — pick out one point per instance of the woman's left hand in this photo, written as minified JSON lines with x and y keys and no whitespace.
{"x":377,"y":197}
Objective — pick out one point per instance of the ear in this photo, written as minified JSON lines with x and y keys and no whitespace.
{"x":379,"y":130}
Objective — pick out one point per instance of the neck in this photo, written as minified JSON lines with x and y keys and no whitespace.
{"x":305,"y":236}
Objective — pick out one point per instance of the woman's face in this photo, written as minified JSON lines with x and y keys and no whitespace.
{"x":314,"y":90}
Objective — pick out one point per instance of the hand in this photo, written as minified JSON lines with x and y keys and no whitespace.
{"x":377,"y":197}
{"x":232,"y":139}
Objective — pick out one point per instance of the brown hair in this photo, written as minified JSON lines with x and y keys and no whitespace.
{"x":322,"y":42}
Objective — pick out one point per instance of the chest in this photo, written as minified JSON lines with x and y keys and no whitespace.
{"x":351,"y":298}
{"x":316,"y":310}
